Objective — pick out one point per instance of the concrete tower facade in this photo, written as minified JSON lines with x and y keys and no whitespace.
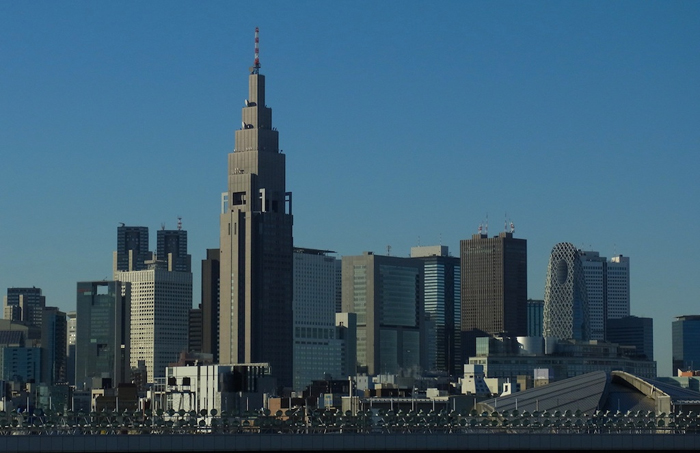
{"x":565,"y":298}
{"x":256,"y":244}
{"x":494,"y":287}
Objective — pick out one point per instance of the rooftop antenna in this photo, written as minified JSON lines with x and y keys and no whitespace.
{"x":512,"y":227}
{"x":255,"y":69}
{"x":162,"y":225}
{"x":480,"y":228}
{"x":179,"y":223}
{"x":440,"y":238}
{"x":388,"y":250}
{"x":487,"y":224}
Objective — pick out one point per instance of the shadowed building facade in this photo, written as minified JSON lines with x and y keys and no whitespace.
{"x":25,"y":304}
{"x":132,"y":248}
{"x":255,"y":323}
{"x":171,"y":247}
{"x":102,"y":339}
{"x":210,"y":304}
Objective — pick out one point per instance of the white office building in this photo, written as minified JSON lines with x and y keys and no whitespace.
{"x":160,"y":305}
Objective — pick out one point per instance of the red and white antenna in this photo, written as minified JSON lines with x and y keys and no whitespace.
{"x":256,"y":65}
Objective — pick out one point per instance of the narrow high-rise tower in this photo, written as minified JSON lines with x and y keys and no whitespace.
{"x":255,"y":323}
{"x":565,"y":296}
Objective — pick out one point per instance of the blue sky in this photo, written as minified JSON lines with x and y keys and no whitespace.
{"x":403,"y":123}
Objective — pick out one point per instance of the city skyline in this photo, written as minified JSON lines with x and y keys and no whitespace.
{"x":577,"y":122}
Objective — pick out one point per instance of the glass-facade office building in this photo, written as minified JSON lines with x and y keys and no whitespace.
{"x":686,"y":343}
{"x":386,"y":293}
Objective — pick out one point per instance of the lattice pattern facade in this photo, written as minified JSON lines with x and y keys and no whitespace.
{"x":565,"y":298}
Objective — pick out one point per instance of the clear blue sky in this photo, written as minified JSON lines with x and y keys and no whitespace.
{"x":403,"y":123}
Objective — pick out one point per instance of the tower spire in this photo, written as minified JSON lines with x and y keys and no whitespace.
{"x":256,"y":65}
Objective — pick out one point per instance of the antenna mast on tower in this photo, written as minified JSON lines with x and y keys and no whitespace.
{"x":255,"y":69}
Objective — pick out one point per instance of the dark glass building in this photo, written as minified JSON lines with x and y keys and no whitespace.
{"x":632,"y":331}
{"x":102,"y":343}
{"x":171,"y":247}
{"x":132,"y":248}
{"x":686,"y":343}
{"x":25,"y":304}
{"x":53,"y":346}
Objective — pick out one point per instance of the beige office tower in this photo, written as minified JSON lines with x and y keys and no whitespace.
{"x":255,"y":323}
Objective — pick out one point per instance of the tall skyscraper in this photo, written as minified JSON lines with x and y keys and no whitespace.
{"x":25,"y":304}
{"x":443,"y":307}
{"x":386,"y":293}
{"x":685,"y":331}
{"x":594,"y":271}
{"x":102,"y":332}
{"x":607,"y":288}
{"x":53,"y":346}
{"x":71,"y":331}
{"x":256,"y":243}
{"x":317,"y":352}
{"x":160,"y":306}
{"x":210,"y":303}
{"x":172,"y":249}
{"x":494,"y":287}
{"x":565,"y":299}
{"x":132,"y":248}
{"x":618,"y":287}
